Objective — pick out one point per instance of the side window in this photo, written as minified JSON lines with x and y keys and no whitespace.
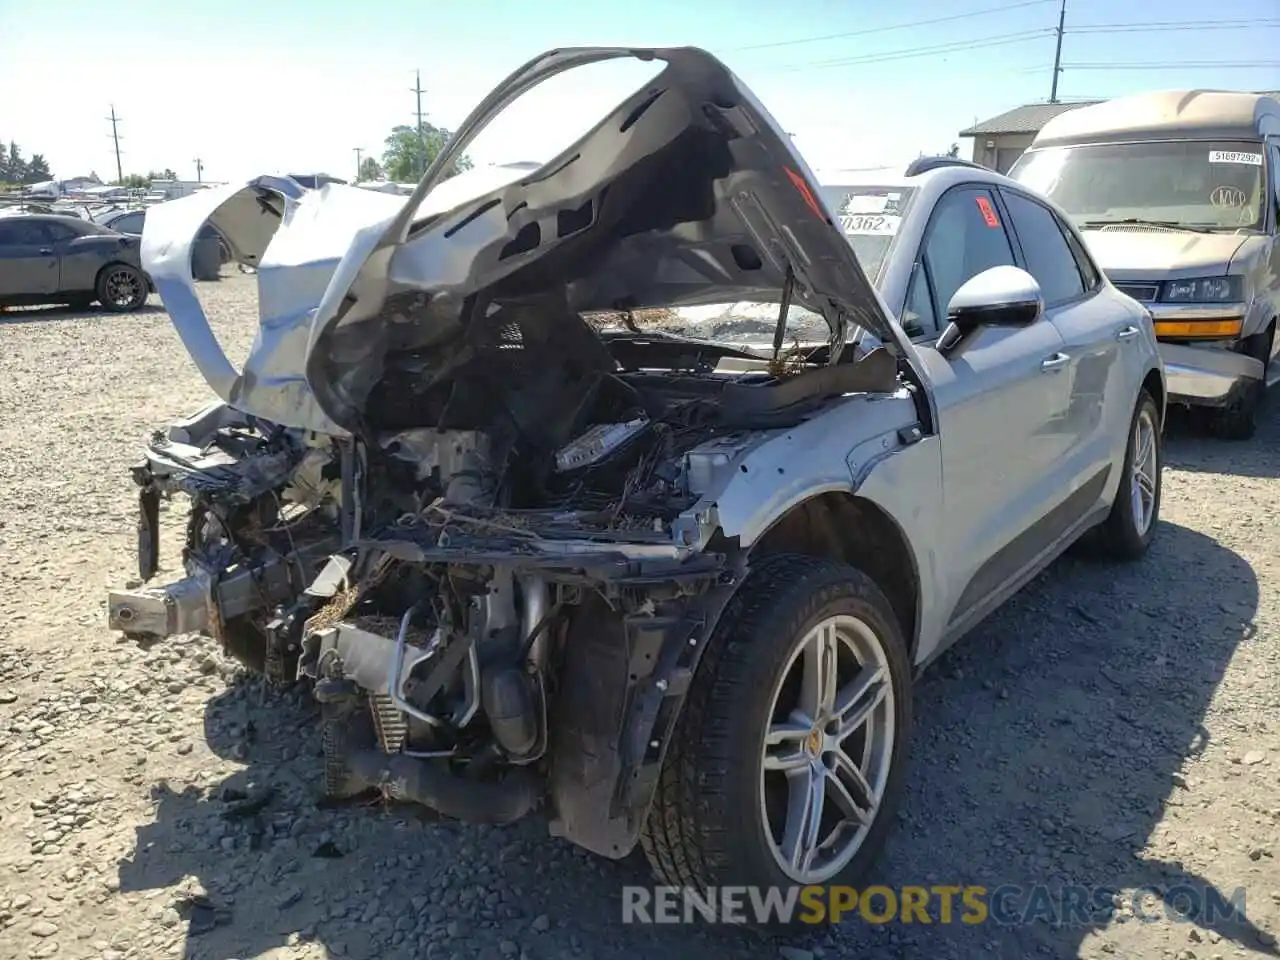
{"x":965,"y":238}
{"x":1049,"y":259}
{"x":23,"y":233}
{"x":60,"y":232}
{"x":1084,"y":263}
{"x":131,"y":223}
{"x":918,"y":316}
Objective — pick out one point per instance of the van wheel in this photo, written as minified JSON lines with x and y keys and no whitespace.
{"x":1239,"y":419}
{"x":787,"y":762}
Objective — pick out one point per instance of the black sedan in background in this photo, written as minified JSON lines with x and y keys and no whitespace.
{"x":60,"y":259}
{"x":208,"y":254}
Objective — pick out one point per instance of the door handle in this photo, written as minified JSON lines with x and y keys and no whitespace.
{"x":1056,"y":362}
{"x":46,"y":250}
{"x":1127,"y":332}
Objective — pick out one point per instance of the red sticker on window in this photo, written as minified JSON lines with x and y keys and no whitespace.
{"x":988,"y":214}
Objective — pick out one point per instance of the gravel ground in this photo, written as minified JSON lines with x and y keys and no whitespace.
{"x":1114,"y":727}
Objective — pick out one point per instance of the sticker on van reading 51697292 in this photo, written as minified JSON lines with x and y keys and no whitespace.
{"x":864,"y":223}
{"x":1230,"y":156}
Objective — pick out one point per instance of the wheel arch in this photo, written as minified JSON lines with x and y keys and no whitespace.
{"x":117,"y":263}
{"x":1154,"y":384}
{"x":842,"y":526}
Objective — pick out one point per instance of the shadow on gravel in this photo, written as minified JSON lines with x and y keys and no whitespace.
{"x":1189,"y":444}
{"x":1048,"y":745}
{"x":50,"y":314}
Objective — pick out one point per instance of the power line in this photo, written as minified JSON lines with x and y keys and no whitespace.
{"x":896,"y":26}
{"x":1174,"y":26}
{"x":913,"y":52}
{"x":1176,"y":64}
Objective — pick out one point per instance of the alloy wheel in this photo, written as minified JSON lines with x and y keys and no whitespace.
{"x":1145,"y":470}
{"x":122,"y":287}
{"x":827,"y":752}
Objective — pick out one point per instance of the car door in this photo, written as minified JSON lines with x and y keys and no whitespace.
{"x":997,"y":398}
{"x":28,"y":262}
{"x":1095,"y":330}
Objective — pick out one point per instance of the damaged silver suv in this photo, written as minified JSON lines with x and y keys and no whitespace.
{"x":554,"y":514}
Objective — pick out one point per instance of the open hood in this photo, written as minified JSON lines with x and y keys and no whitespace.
{"x":687,"y":193}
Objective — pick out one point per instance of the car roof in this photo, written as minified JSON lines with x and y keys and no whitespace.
{"x":939,"y":172}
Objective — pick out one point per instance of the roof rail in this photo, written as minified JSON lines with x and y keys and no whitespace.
{"x":924,"y":164}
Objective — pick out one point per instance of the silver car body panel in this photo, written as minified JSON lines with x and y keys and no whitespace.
{"x":337,"y":253}
{"x":989,"y":465}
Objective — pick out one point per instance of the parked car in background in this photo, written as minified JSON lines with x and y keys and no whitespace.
{"x":208,"y":253}
{"x":63,"y":259}
{"x":1178,"y":195}
{"x":673,"y":592}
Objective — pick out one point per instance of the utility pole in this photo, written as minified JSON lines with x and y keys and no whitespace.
{"x":115,"y":136}
{"x":422,"y":140}
{"x":1057,"y":53}
{"x":199,"y":171}
{"x":358,"y":151}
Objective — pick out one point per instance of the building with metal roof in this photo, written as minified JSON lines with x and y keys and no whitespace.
{"x":998,"y":142}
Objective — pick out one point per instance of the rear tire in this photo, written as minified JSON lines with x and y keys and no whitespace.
{"x":727,"y":804}
{"x":121,"y":288}
{"x":1129,"y":528}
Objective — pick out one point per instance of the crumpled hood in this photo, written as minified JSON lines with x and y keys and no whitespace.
{"x":687,"y":193}
{"x":1146,"y":254}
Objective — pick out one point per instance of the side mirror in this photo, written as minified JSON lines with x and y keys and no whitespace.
{"x":999,"y":297}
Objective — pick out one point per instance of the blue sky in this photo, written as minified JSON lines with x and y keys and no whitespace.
{"x":269,"y":86}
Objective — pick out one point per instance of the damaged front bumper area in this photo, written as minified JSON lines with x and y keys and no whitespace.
{"x":479,"y":668}
{"x":1205,"y":376}
{"x":263,"y":518}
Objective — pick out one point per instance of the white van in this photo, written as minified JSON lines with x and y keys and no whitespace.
{"x":1178,"y":196}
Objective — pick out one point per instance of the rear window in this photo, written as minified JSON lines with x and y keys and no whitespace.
{"x":870,"y":217}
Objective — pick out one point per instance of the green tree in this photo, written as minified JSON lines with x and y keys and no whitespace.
{"x":406,"y":155}
{"x":38,"y":169}
{"x":370,"y":169}
{"x":136,"y":181}
{"x":15,"y":168}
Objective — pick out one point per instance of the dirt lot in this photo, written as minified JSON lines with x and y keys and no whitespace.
{"x":1112,"y":727}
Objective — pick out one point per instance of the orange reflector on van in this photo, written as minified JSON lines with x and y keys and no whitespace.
{"x":1198,"y":329}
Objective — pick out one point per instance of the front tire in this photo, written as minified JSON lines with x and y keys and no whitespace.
{"x":787,"y":763}
{"x":121,"y":288}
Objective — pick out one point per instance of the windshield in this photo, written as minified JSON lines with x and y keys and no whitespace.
{"x":869,"y":217}
{"x":1194,"y":184}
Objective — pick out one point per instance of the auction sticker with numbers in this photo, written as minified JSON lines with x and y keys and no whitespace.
{"x":1230,"y":156}
{"x":870,"y":223}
